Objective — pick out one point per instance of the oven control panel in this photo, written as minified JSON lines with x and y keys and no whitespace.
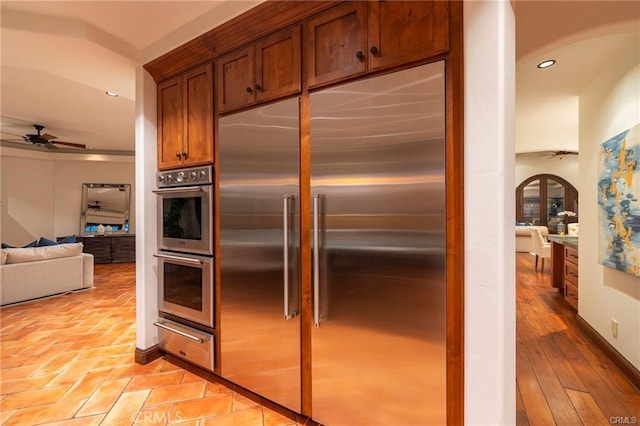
{"x":185,"y":177}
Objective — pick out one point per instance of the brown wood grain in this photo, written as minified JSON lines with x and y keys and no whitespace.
{"x":332,"y":40}
{"x":235,"y":79}
{"x":406,"y":31}
{"x":170,"y":123}
{"x":278,"y":64}
{"x":198,"y":114}
{"x":258,"y":22}
{"x":548,"y":328}
{"x":454,"y":175}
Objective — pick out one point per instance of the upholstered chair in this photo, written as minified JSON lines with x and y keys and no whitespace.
{"x":541,"y":248}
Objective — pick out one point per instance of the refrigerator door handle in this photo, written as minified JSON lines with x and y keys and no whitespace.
{"x":285,"y":255}
{"x":316,"y":260}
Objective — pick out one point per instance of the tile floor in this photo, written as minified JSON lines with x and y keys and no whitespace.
{"x":69,"y":360}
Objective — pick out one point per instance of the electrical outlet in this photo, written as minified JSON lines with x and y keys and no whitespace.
{"x":614,"y":328}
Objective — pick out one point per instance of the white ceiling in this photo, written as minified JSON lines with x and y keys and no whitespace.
{"x":59,"y":58}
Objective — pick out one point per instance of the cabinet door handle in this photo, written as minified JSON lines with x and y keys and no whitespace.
{"x":249,"y":89}
{"x":178,"y":155}
{"x":359,"y":54}
{"x":374,"y":50}
{"x":184,"y":155}
{"x":258,"y":87}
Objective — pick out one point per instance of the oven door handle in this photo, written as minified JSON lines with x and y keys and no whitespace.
{"x":181,"y":333}
{"x":179,"y":258}
{"x":179,"y":189}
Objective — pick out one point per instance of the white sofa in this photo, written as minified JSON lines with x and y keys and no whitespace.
{"x":524,"y":243}
{"x":34,"y":272}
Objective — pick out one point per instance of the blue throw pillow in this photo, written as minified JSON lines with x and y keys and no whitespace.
{"x":67,"y":240}
{"x":31,"y":244}
{"x":43,"y":242}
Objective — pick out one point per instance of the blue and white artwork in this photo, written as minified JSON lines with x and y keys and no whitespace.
{"x":619,"y":208}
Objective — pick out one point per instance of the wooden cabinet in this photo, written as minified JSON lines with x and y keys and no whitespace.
{"x":358,"y":37}
{"x":571,"y":276}
{"x":110,"y":248}
{"x":264,"y":70}
{"x":335,"y":43}
{"x":185,"y":119}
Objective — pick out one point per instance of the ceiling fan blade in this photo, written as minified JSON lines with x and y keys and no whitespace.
{"x":12,"y":134}
{"x":75,"y":145}
{"x":47,"y":137}
{"x":49,"y":145}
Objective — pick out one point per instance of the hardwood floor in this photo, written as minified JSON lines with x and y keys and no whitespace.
{"x":562,"y":377}
{"x":69,"y":360}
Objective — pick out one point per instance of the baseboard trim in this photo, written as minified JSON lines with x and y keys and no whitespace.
{"x":145,"y":356}
{"x":628,"y":369}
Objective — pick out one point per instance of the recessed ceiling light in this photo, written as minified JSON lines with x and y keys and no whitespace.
{"x":113,"y":95}
{"x":546,"y":64}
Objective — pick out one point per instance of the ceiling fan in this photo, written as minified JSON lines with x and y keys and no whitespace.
{"x":561,"y":154}
{"x":46,"y":139}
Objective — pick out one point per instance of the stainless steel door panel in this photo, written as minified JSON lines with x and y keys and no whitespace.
{"x":258,"y":167}
{"x":377,"y":171}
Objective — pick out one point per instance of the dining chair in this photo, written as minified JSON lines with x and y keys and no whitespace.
{"x":541,"y":248}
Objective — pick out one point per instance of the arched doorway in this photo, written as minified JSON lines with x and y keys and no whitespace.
{"x":540,"y":198}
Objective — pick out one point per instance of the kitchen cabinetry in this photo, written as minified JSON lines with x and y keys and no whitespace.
{"x":357,"y":37}
{"x":571,"y":276}
{"x":185,"y":119}
{"x":564,"y":267}
{"x":110,"y":248}
{"x":262,"y":71}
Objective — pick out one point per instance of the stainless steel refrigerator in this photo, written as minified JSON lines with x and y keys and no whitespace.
{"x":258,"y":157}
{"x":378,"y":350}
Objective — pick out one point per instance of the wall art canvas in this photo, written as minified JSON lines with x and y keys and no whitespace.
{"x":618,"y":202}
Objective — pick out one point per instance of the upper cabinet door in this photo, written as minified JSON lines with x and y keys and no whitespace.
{"x":405,"y":31}
{"x":335,"y":43}
{"x":198,"y":86}
{"x":170,"y":123}
{"x":235,"y":79}
{"x":278,"y":64}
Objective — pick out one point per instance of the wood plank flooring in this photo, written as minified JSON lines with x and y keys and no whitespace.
{"x":562,"y":377}
{"x":69,"y":360}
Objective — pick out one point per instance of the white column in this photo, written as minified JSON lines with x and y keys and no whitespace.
{"x":489,"y":132}
{"x":146,"y":210}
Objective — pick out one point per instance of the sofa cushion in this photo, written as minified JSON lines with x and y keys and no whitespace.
{"x":67,"y":240}
{"x":3,"y":256}
{"x":44,"y":242}
{"x":31,"y":244}
{"x":33,"y":254}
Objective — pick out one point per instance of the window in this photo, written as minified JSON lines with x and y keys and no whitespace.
{"x":540,"y":198}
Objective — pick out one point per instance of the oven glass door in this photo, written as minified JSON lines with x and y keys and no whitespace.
{"x":185,"y":221}
{"x":186,"y":287}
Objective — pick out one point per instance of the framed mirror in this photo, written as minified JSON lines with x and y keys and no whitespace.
{"x":105,"y":204}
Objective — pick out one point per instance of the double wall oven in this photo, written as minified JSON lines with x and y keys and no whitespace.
{"x":185,"y":264}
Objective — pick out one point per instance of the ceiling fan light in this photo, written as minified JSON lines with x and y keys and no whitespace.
{"x":112,"y":94}
{"x":546,"y":64}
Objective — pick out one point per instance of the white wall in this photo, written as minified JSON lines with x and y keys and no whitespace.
{"x":41,"y":192}
{"x":609,"y":105}
{"x":489,"y":45}
{"x":532,"y":164}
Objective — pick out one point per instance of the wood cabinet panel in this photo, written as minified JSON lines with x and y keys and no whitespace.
{"x":110,"y":248}
{"x":571,"y":294}
{"x":170,"y":123}
{"x":199,"y":116}
{"x":335,"y":43}
{"x":185,"y":119}
{"x":235,"y":79}
{"x":278,"y":64}
{"x":406,"y":31}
